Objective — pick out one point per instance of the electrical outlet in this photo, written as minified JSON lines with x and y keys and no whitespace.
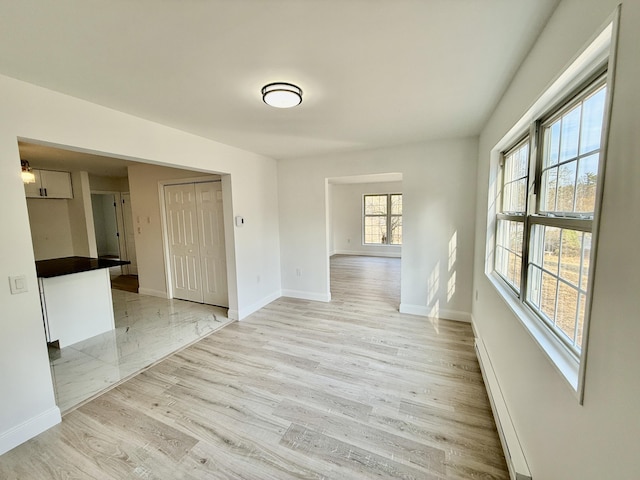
{"x":298,"y":272}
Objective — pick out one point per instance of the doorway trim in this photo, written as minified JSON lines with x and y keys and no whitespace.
{"x":228,"y":234}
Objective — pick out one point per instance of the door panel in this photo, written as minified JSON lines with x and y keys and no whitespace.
{"x":129,"y":235}
{"x":184,"y":251}
{"x":212,"y":246}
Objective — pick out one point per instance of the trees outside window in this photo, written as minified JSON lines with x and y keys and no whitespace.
{"x":545,"y":213}
{"x":382,"y":219}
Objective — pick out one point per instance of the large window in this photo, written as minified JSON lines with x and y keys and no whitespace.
{"x":545,"y":212}
{"x":382,"y":219}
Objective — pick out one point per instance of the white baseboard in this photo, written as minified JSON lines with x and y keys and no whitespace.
{"x":368,"y":254}
{"x":455,"y":315}
{"x":414,"y":309}
{"x":423,"y":311}
{"x":514,"y":455}
{"x":152,"y":293}
{"x":474,"y":327}
{"x":244,"y":312}
{"x":232,"y":314}
{"x":316,"y":297}
{"x":29,"y":429}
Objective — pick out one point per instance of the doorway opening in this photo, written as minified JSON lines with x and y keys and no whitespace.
{"x":113,"y":225}
{"x":148,"y":325}
{"x":361,"y":235}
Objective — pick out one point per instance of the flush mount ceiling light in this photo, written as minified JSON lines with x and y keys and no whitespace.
{"x":27,"y":174}
{"x":282,"y":95}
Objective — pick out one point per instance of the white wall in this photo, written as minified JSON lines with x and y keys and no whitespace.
{"x":50,"y":228}
{"x":259,"y":234}
{"x":81,"y":217}
{"x":562,"y":439}
{"x":27,"y":403}
{"x":145,"y":209}
{"x":438,"y":205}
{"x":346,"y":218}
{"x":63,"y":227}
{"x":100,"y":183}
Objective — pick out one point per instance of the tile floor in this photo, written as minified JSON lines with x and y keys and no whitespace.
{"x":147,"y":330}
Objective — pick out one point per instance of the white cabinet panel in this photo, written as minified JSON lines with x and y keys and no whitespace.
{"x":56,"y":184}
{"x":49,"y":184}
{"x":32,"y":190}
{"x":77,"y":306}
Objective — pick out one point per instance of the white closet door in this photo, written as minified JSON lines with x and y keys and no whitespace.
{"x":184,"y":254}
{"x":212,"y":249}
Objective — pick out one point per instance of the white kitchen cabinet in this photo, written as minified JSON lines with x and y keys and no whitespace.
{"x":32,"y":190}
{"x":49,"y":184}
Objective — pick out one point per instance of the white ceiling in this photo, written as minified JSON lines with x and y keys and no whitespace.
{"x":374,"y":72}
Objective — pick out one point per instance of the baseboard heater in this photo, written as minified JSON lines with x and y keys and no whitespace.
{"x":518,"y":469}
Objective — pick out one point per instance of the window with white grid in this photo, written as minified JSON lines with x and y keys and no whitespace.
{"x":382,"y":219}
{"x":545,"y":210}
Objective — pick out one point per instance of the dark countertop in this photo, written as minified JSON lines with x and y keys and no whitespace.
{"x":56,"y":267}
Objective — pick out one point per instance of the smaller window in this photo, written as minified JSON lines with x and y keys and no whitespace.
{"x":511,"y":214}
{"x":382,"y":219}
{"x":516,"y":167}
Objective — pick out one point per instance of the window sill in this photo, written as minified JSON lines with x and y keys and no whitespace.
{"x":381,"y":245}
{"x":559,"y":355}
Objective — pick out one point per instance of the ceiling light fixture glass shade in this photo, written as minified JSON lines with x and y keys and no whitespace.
{"x":282,"y":95}
{"x":27,"y":174}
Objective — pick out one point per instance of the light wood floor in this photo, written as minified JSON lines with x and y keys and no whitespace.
{"x":344,"y":390}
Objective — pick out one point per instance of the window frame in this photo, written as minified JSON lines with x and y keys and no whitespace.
{"x":596,"y":62}
{"x":389,"y":215}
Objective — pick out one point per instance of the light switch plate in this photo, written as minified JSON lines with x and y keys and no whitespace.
{"x":18,"y":284}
